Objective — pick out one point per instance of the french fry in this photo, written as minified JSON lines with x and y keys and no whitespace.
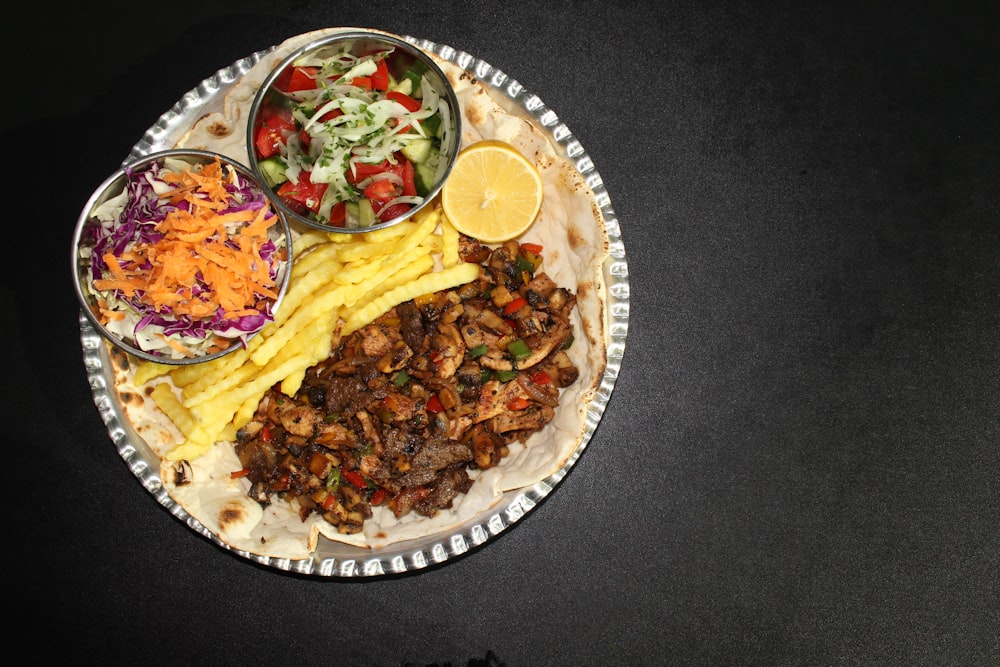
{"x":393,"y":233}
{"x":215,"y":372}
{"x":353,"y":252}
{"x":401,"y":250}
{"x":166,"y":400}
{"x":429,"y":282}
{"x":419,"y":266}
{"x":212,"y":390}
{"x":317,"y":255}
{"x":326,"y":302}
{"x":186,"y":375}
{"x":308,"y":240}
{"x":149,"y":370}
{"x":449,"y":243}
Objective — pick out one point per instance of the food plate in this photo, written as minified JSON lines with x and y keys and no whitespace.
{"x":339,"y":560}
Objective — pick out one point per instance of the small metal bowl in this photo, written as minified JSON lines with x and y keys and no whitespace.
{"x":409,"y":69}
{"x":97,"y":220}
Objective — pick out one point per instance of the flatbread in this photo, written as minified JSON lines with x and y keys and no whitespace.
{"x":570,"y":227}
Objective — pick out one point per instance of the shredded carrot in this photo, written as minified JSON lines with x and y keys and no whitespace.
{"x":197,"y":268}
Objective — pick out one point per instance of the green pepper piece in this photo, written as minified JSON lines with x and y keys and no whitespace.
{"x":333,"y":481}
{"x":506,"y":376}
{"x":519,"y":349}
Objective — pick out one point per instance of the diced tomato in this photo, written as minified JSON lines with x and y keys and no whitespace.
{"x":338,"y":214}
{"x":330,"y":115}
{"x":409,"y":179}
{"x":380,"y":79}
{"x":410,"y":103}
{"x":271,"y":134}
{"x":301,"y":78}
{"x":393,"y":211}
{"x":355,"y":478}
{"x":362,"y":82}
{"x":381,"y":191}
{"x":304,"y":195}
{"x":363,"y":170}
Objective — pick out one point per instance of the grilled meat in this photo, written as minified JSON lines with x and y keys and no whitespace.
{"x":406,"y":406}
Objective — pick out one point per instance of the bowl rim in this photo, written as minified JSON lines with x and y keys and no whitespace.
{"x":103,"y":192}
{"x":353,"y":35}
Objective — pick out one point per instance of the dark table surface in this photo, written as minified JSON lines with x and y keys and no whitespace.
{"x":799,"y":462}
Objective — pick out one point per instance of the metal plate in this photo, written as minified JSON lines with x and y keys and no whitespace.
{"x":338,"y":560}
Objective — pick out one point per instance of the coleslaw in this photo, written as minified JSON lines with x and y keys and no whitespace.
{"x":184,"y":261}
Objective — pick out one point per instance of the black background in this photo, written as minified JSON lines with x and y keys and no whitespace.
{"x":799,"y":463}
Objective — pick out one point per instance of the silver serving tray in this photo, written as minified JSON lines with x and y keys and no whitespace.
{"x":332,"y":559}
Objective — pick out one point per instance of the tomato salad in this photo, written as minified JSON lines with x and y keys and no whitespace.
{"x":344,"y":142}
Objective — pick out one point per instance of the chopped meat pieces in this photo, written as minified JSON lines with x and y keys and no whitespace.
{"x":406,"y":406}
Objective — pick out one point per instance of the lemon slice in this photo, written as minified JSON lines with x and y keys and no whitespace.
{"x":493,"y":192}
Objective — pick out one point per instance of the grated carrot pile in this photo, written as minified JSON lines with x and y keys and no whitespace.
{"x":197,"y":267}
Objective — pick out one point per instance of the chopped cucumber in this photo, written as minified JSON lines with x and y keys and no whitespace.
{"x":423,"y":176}
{"x":418,"y":150}
{"x":366,"y":213}
{"x":273,"y":171}
{"x":432,"y":125}
{"x":351,"y":218}
{"x":404,"y":86}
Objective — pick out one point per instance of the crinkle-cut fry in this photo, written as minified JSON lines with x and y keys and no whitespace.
{"x":219,"y":370}
{"x":393,"y":233}
{"x":420,"y":265}
{"x":355,"y":273}
{"x":315,"y":237}
{"x":302,"y":288}
{"x":361,"y":249}
{"x":429,"y":282}
{"x":183,"y":376}
{"x":431,"y":245}
{"x":317,"y":255}
{"x":244,"y":413}
{"x":317,"y":342}
{"x":265,"y":379}
{"x":149,"y":370}
{"x":199,"y":441}
{"x":379,"y":282}
{"x":166,"y":400}
{"x":449,"y":243}
{"x":214,"y":416}
{"x":291,"y":384}
{"x":223,"y":384}
{"x":324,"y":303}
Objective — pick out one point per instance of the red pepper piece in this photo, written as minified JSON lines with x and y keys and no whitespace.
{"x":355,"y":478}
{"x":380,"y":496}
{"x":540,"y":377}
{"x":515,"y":305}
